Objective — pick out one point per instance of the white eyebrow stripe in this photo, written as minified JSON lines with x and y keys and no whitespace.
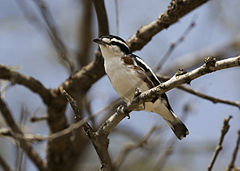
{"x":106,"y":40}
{"x":119,"y":41}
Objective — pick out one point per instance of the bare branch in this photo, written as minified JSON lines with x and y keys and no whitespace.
{"x":130,"y":147}
{"x":234,"y":154}
{"x":99,"y":141}
{"x":176,"y":10}
{"x":201,"y":95}
{"x":29,"y":82}
{"x":32,"y":154}
{"x":4,"y":164}
{"x":210,"y":66}
{"x":210,"y":98}
{"x":219,"y":147}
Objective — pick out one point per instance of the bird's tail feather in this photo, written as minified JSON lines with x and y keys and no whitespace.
{"x":173,"y":121}
{"x":178,"y":127}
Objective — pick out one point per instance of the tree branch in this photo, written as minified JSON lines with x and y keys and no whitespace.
{"x":210,"y":66}
{"x":4,"y":164}
{"x":210,"y":98}
{"x":176,"y":10}
{"x":201,"y":95}
{"x":224,"y":130}
{"x":99,"y":141}
{"x":26,"y":146}
{"x":234,"y":154}
{"x":29,"y":82}
{"x":102,"y":19}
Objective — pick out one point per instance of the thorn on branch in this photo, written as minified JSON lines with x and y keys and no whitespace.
{"x":210,"y":61}
{"x":180,"y":72}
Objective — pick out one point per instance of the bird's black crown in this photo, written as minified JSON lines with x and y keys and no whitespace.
{"x":115,"y":40}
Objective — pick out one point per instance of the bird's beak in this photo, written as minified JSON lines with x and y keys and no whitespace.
{"x":99,"y":41}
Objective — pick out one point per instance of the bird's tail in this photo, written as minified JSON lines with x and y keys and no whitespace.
{"x":177,"y":126}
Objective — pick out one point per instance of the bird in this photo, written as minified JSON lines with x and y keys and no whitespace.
{"x":127,"y":73}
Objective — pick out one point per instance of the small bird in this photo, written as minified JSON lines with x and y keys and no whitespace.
{"x":128,"y":72}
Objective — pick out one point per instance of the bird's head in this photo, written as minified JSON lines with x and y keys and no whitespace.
{"x":112,"y":46}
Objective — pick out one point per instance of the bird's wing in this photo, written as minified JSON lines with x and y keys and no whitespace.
{"x":130,"y":62}
{"x":146,"y":74}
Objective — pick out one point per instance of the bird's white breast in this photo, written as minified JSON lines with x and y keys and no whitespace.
{"x":123,"y":78}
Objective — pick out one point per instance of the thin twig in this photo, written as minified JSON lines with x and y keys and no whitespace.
{"x":210,"y":98}
{"x":219,"y":147}
{"x":174,"y":45}
{"x":54,"y":35}
{"x":130,"y":147}
{"x":234,"y":154}
{"x":26,"y":146}
{"x":202,"y":95}
{"x":192,"y":60}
